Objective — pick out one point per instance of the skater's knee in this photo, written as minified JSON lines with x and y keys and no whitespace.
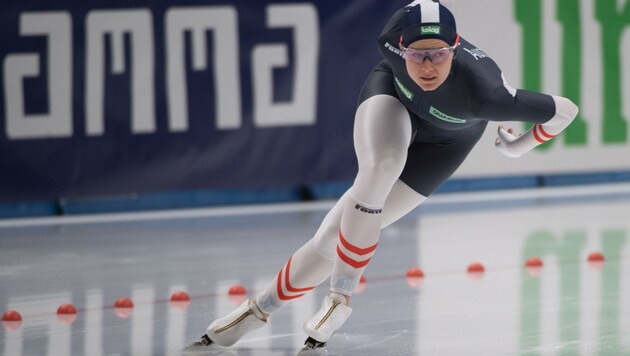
{"x":376,"y":178}
{"x":384,"y":165}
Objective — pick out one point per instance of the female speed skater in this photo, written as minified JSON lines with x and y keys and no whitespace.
{"x":420,"y":112}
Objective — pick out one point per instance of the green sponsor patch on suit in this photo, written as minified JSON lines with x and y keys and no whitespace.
{"x":442,"y":116}
{"x":406,"y":92}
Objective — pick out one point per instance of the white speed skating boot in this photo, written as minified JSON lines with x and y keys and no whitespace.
{"x":321,"y":327}
{"x":229,"y":329}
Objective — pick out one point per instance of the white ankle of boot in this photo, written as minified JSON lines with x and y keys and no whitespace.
{"x":330,"y":317}
{"x":338,"y":297}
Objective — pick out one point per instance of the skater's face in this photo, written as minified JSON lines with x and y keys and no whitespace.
{"x":429,"y":62}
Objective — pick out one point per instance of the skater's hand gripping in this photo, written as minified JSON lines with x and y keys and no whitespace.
{"x":503,"y":143}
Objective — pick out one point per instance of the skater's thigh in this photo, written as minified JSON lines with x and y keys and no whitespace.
{"x":382,"y":134}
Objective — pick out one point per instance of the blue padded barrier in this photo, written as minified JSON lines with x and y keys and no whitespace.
{"x":327,"y":191}
{"x":180,"y":200}
{"x":28,"y":209}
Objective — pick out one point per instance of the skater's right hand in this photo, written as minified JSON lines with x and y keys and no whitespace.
{"x":502,"y":143}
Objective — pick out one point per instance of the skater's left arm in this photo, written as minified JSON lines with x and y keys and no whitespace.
{"x":516,"y":145}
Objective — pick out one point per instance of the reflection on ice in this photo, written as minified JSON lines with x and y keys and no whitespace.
{"x":517,"y":304}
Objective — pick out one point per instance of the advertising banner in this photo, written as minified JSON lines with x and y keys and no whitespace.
{"x":116,"y":97}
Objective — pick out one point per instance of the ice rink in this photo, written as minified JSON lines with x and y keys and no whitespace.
{"x":568,"y":307}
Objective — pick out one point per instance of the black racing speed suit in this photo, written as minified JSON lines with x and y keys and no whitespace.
{"x":448,"y":121}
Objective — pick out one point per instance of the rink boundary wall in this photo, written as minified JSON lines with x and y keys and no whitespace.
{"x":451,"y":203}
{"x":270,"y":195}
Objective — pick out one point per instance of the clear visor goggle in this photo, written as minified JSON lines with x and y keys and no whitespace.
{"x":435,"y":55}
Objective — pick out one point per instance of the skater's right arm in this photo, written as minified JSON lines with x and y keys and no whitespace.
{"x":514,"y":146}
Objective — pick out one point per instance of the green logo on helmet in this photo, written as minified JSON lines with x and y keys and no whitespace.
{"x":430,"y":30}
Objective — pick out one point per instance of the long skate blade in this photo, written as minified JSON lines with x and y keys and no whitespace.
{"x":307,"y":351}
{"x":313,"y":347}
{"x":198,"y":349}
{"x":195,"y":346}
{"x":202,"y":344}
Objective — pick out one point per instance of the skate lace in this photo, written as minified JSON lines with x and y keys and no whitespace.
{"x":238,"y":320}
{"x":330,"y":311}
